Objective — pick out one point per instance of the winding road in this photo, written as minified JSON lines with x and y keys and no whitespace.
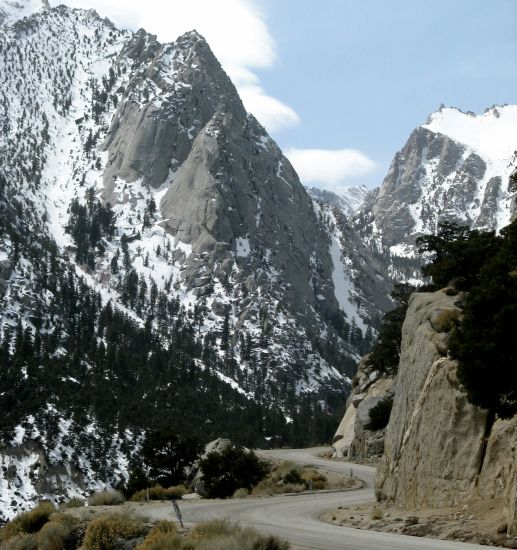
{"x":296,"y":517}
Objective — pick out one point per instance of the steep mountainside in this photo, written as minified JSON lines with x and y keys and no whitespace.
{"x":349,"y":200}
{"x":159,"y":259}
{"x":441,"y":450}
{"x":456,"y":167}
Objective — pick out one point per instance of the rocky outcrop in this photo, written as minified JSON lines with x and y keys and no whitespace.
{"x":353,"y":439}
{"x":439,"y":449}
{"x":184,"y":85}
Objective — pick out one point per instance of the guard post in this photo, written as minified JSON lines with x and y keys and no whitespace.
{"x":178,"y":512}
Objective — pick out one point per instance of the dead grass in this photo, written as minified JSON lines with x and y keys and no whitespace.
{"x":28,"y":522}
{"x":288,"y":477}
{"x":106,"y":498}
{"x":159,"y":493}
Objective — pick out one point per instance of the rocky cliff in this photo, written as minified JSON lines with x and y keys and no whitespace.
{"x":137,"y":192}
{"x":455,"y":167}
{"x":354,"y":438}
{"x":439,"y":449}
{"x":210,"y":210}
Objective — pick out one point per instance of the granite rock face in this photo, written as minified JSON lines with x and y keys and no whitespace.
{"x":439,"y":449}
{"x":353,"y":439}
{"x":448,"y":170}
{"x":434,"y":439}
{"x":184,"y":85}
{"x":246,"y":233}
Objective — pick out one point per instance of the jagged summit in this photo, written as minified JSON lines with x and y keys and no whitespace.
{"x":456,"y":167}
{"x":491,"y":134}
{"x":137,"y":192}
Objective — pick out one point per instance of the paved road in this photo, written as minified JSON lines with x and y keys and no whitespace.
{"x":296,"y":518}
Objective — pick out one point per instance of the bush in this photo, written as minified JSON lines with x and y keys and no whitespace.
{"x":169,"y":454}
{"x":28,"y":522}
{"x":380,"y":414}
{"x":223,"y":535}
{"x":103,"y":531}
{"x":314,"y":478}
{"x":137,"y":481}
{"x":446,"y":319}
{"x":20,"y":542}
{"x":482,"y":264}
{"x":231,"y":469}
{"x":53,"y":536}
{"x":376,"y":512}
{"x":290,"y":488}
{"x":241,"y":493}
{"x":159,"y":493}
{"x":292,"y":476}
{"x":106,"y":498}
{"x":74,"y":502}
{"x":164,"y":536}
{"x":457,"y":254}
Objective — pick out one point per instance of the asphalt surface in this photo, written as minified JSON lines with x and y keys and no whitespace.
{"x":296,"y":517}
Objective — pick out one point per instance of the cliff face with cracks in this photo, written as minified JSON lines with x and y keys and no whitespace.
{"x":439,"y":449}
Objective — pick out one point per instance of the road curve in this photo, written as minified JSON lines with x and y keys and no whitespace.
{"x":296,"y":518}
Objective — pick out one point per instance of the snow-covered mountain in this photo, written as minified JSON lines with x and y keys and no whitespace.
{"x":348,"y":199}
{"x":456,"y":167}
{"x":13,"y":10}
{"x":161,"y":261}
{"x":158,"y":256}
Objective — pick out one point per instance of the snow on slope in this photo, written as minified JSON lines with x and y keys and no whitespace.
{"x":492,"y":134}
{"x":12,"y":10}
{"x":347,"y":199}
{"x":493,"y":137}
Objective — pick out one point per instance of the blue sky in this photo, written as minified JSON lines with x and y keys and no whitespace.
{"x":340,"y":84}
{"x":363,"y":74}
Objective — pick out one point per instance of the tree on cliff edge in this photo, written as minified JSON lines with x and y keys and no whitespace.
{"x":485,"y":265}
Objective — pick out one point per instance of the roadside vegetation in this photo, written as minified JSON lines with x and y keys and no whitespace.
{"x":45,"y":528}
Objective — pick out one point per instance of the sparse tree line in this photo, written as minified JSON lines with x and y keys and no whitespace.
{"x":482,"y":267}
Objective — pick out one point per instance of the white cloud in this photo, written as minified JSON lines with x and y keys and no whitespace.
{"x":331,"y":168}
{"x":235,"y":29}
{"x":273,"y":114}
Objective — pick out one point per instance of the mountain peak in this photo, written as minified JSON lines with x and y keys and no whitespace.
{"x":491,"y":133}
{"x":13,"y":10}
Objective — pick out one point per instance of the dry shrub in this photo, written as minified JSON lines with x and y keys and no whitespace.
{"x":211,"y":529}
{"x":223,"y":535}
{"x":446,"y":319}
{"x":319,"y":480}
{"x":164,"y":536}
{"x":74,"y":502}
{"x":376,"y":512}
{"x":288,"y":477}
{"x":20,"y":542}
{"x":103,"y":531}
{"x":241,"y":493}
{"x":52,"y":536}
{"x":291,"y":488}
{"x":159,"y":493}
{"x":28,"y":522}
{"x":106,"y":498}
